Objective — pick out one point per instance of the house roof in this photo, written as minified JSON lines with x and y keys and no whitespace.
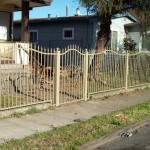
{"x":18,"y":3}
{"x":76,"y":17}
{"x":54,"y":19}
{"x":133,"y":24}
{"x":41,"y":1}
{"x":128,"y":15}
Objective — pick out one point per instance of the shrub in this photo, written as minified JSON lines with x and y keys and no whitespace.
{"x":129,"y":44}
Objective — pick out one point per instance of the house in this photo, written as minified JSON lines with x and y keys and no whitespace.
{"x":7,"y":7}
{"x":79,"y":29}
{"x":134,"y":31}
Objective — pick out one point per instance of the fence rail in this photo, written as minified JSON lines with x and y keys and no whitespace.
{"x":58,"y":77}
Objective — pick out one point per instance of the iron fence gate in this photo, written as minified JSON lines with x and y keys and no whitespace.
{"x":58,"y":77}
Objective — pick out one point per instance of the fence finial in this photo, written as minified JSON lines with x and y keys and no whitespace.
{"x":57,"y":49}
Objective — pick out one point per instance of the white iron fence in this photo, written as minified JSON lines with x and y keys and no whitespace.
{"x":55,"y":76}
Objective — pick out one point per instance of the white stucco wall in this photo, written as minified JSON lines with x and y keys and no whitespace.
{"x":118,"y":25}
{"x":4,"y":25}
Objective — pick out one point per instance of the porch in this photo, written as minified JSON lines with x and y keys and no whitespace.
{"x":11,"y":54}
{"x":7,"y":8}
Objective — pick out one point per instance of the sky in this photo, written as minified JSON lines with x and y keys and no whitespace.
{"x":57,"y":8}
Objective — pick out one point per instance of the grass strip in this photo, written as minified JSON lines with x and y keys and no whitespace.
{"x":71,"y":136}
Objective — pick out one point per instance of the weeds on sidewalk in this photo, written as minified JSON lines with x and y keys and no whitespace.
{"x":71,"y":136}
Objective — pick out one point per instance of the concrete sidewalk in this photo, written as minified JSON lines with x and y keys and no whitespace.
{"x":16,"y":128}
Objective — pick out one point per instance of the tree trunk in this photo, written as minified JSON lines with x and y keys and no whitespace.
{"x":102,"y":40}
{"x":104,"y":33}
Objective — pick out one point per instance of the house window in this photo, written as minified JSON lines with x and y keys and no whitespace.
{"x":34,"y":36}
{"x":68,"y":33}
{"x":114,"y":40}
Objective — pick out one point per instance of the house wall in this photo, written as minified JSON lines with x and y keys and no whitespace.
{"x":85,"y":32}
{"x":134,"y":33}
{"x":118,"y":25}
{"x":50,"y":34}
{"x":4,"y":25}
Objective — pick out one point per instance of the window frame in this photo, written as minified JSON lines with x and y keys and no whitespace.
{"x":113,"y":31}
{"x":37,"y":35}
{"x":110,"y":42}
{"x":68,"y":38}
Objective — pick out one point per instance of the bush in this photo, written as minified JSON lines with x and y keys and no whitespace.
{"x":129,"y":44}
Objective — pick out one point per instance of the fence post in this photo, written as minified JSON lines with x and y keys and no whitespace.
{"x":0,"y":85}
{"x":85,"y":75}
{"x":127,"y":71}
{"x":16,"y":49}
{"x":57,"y":76}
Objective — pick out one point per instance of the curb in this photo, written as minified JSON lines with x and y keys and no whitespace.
{"x":108,"y":138}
